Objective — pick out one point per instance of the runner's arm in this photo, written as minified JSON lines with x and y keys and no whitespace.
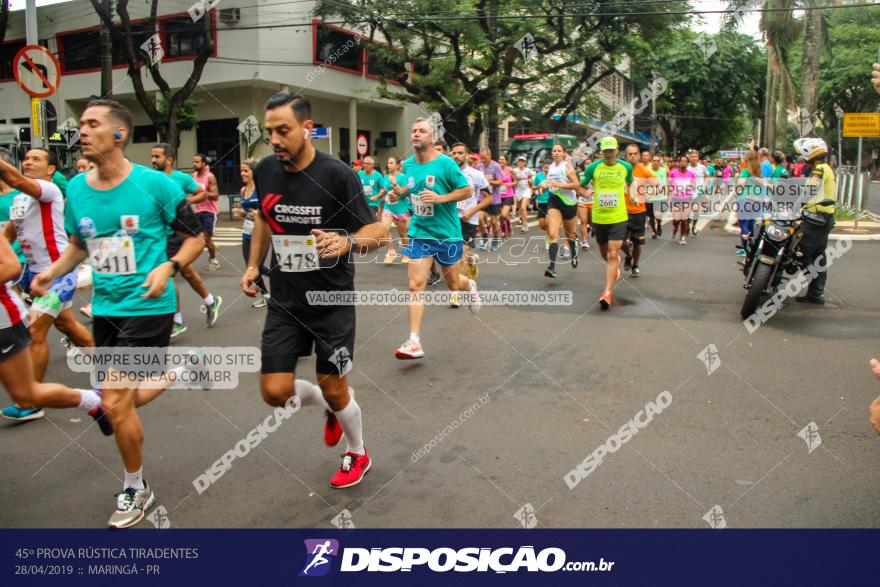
{"x":72,"y":256}
{"x":485,"y":202}
{"x":200,"y":195}
{"x":259,"y":242}
{"x":16,"y":180}
{"x":213,"y":192}
{"x":10,"y":268}
{"x":462,"y":193}
{"x":9,"y":233}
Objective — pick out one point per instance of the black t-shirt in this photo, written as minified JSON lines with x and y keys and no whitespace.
{"x":327,"y":195}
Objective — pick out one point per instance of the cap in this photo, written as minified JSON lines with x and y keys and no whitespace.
{"x":521,"y":158}
{"x":358,"y":162}
{"x":607,"y":143}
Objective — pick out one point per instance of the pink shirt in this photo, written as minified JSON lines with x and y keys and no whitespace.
{"x":507,"y":191}
{"x":205,"y":205}
{"x":682,"y":183}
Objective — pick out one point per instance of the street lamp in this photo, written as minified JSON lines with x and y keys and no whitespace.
{"x":838,"y":111}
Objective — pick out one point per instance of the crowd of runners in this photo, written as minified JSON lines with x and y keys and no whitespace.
{"x":304,"y":214}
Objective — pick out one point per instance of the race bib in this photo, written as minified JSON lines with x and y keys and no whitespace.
{"x":248,"y":226}
{"x":421,"y":208}
{"x":19,"y":208}
{"x":368,"y":189}
{"x":463,"y":205}
{"x":112,"y":255}
{"x":295,"y":254}
{"x":585,"y":200}
{"x":608,"y":199}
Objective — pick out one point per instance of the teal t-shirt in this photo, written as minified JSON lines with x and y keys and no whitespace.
{"x":373,"y":184}
{"x":401,"y":206}
{"x":61,"y":181}
{"x":141,"y":209}
{"x":543,"y":196}
{"x":185,"y":181}
{"x":5,"y":204}
{"x":441,"y":176}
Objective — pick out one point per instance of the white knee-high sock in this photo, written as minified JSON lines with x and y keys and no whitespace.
{"x":310,"y":394}
{"x":350,"y":419}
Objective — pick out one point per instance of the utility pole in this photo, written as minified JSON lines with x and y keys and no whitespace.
{"x":653,"y":112}
{"x":38,"y":135}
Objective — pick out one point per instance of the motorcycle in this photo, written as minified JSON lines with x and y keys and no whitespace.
{"x":774,"y":254}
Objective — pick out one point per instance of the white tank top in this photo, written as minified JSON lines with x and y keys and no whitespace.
{"x":559,"y":172}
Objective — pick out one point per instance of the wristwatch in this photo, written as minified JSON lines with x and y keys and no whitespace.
{"x":176,"y":266}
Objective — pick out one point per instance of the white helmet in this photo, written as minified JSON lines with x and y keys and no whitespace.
{"x":810,"y":147}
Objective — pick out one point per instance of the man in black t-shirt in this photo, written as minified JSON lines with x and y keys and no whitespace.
{"x":313,"y":212}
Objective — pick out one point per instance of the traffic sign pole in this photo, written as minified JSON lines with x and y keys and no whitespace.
{"x":37,"y":134}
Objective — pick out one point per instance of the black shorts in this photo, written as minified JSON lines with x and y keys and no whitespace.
{"x":493,"y":209}
{"x":131,"y":332}
{"x":635,"y":227}
{"x":610,"y":232}
{"x":507,"y":201}
{"x":289,"y":335}
{"x":208,"y":219}
{"x":542,"y":210}
{"x":13,"y":339}
{"x":173,"y":245}
{"x":468,"y":233}
{"x":568,"y":211}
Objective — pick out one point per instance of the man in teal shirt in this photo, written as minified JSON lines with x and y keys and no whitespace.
{"x":118,"y":216}
{"x":436,"y":184}
{"x":373,"y":183}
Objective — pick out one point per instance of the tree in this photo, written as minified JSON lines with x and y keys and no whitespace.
{"x":4,"y":18}
{"x":812,"y":53}
{"x":165,"y":115}
{"x":467,"y":58}
{"x":711,"y":99}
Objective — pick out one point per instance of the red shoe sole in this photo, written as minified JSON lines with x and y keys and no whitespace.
{"x":406,"y":357}
{"x":359,"y":479}
{"x":332,"y":436}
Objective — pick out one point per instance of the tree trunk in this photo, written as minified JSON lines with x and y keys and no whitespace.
{"x":810,"y":60}
{"x":769,"y":102}
{"x":106,"y":46}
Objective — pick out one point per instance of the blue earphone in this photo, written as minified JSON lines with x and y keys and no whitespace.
{"x":117,"y":134}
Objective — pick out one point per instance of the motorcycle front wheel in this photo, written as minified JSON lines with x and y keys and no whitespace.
{"x":760,"y":281}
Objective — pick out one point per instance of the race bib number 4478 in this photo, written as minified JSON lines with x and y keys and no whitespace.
{"x":295,"y":254}
{"x":112,"y":255}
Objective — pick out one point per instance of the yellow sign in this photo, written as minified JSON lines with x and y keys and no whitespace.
{"x":36,"y":118}
{"x":861,"y":124}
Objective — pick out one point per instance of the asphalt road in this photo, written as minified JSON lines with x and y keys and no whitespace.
{"x":556,"y":383}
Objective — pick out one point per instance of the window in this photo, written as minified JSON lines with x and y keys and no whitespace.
{"x":144,"y":134}
{"x":382,"y":63}
{"x":7,"y":54}
{"x":80,"y":51}
{"x":183,"y":37}
{"x":337,"y":48}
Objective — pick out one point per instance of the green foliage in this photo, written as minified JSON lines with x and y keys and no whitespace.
{"x":187,"y":114}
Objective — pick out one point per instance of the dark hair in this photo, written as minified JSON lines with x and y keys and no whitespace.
{"x":119,"y":113}
{"x":51,"y":157}
{"x":564,"y":150}
{"x":778,"y":157}
{"x":300,"y":106}
{"x":203,"y":157}
{"x":647,"y":151}
{"x":547,"y":161}
{"x":167,"y":150}
{"x":463,"y":146}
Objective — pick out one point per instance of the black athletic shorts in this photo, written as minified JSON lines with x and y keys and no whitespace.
{"x":568,"y":211}
{"x":13,"y":339}
{"x":173,"y":245}
{"x":493,"y":209}
{"x":132,"y":332}
{"x":542,"y":210}
{"x":468,"y":233}
{"x":635,"y":227}
{"x":288,"y":335}
{"x":610,"y":232}
{"x":507,"y":201}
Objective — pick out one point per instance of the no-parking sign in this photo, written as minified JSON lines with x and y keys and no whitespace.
{"x":37,"y":71}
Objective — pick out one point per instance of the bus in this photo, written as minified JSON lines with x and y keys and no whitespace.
{"x":536,"y":147}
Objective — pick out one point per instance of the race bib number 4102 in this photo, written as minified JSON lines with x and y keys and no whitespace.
{"x":295,"y":254}
{"x":112,"y":255}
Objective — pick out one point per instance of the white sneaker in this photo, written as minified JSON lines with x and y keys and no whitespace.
{"x":472,"y":300}
{"x":410,"y":350}
{"x":213,"y":265}
{"x":131,"y":505}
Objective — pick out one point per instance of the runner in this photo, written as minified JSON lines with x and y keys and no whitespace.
{"x":37,"y":223}
{"x":372,"y":181}
{"x":682,"y":182}
{"x":313,"y":212}
{"x":435,"y":230}
{"x":702,"y":177}
{"x":118,"y":216}
{"x":468,"y":212}
{"x":637,"y":210}
{"x":206,"y":210}
{"x":250,"y":203}
{"x":397,"y":208}
{"x":542,"y":196}
{"x":562,"y":182}
{"x":507,"y":196}
{"x":585,"y":209}
{"x":162,"y":158}
{"x":749,"y":189}
{"x":492,"y":171}
{"x":661,"y":172}
{"x":611,"y":178}
{"x":522,"y":191}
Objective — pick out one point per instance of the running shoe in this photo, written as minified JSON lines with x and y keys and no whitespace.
{"x":177,"y":329}
{"x":103,"y":423}
{"x":472,"y":300}
{"x":131,"y":505}
{"x":86,"y":311}
{"x":17,"y":414}
{"x":434,"y":278}
{"x":496,"y":243}
{"x":213,"y":265}
{"x":811,"y":300}
{"x":605,"y":299}
{"x":683,"y":241}
{"x":454,"y":300}
{"x":198,"y":369}
{"x":740,"y":253}
{"x":404,"y":259}
{"x":653,"y":236}
{"x":212,"y":312}
{"x":409,"y":350}
{"x":564,"y":252}
{"x":636,"y":271}
{"x":585,"y":245}
{"x":389,"y":258}
{"x":332,"y":429}
{"x":659,"y":230}
{"x":262,"y":301}
{"x":352,"y":470}
{"x":575,"y":259}
{"x":551,"y":273}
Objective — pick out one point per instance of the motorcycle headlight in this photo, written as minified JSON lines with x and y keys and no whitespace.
{"x":776,"y":233}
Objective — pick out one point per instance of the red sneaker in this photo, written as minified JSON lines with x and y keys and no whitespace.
{"x":605,"y":299}
{"x":332,"y":429}
{"x":352,"y":471}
